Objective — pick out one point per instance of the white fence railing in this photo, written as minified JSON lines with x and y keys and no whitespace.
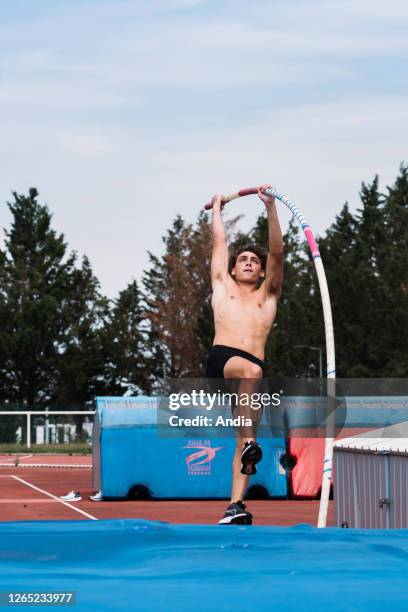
{"x":46,"y":413}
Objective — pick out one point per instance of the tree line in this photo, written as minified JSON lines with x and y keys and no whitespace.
{"x":63,"y":342}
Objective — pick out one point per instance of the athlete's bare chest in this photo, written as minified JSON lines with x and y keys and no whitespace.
{"x":233,"y":305}
{"x":253,"y":303}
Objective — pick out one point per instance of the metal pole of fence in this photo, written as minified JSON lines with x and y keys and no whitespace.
{"x":46,"y":428}
{"x":28,"y":429}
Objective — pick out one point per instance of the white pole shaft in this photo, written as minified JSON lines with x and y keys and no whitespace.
{"x":330,"y":355}
{"x":331,"y":394}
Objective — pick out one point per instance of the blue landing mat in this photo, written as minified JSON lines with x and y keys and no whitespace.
{"x":143,"y":565}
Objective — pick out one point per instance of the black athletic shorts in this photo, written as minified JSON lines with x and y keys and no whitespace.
{"x":219,"y":355}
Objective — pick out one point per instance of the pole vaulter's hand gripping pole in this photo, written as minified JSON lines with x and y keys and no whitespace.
{"x":328,"y":326}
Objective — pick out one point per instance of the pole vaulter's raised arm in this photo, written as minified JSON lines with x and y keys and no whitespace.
{"x":274,"y":263}
{"x":219,"y":259}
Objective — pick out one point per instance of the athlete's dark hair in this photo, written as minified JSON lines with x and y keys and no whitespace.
{"x":252,"y":248}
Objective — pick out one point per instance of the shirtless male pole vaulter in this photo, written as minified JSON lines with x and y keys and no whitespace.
{"x":244,"y":302}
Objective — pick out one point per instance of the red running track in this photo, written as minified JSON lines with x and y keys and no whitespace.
{"x":32,"y":493}
{"x":49,"y":460}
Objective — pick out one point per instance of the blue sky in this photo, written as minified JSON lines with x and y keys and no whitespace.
{"x":125,"y":113}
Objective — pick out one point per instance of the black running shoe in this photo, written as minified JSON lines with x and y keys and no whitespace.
{"x":236,"y":514}
{"x":250,"y":456}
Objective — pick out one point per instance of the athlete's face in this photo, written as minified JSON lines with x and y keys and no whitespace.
{"x":248,"y":268}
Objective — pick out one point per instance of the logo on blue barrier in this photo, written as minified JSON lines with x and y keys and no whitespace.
{"x":199,"y":462}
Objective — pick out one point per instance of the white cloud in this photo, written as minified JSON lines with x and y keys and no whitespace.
{"x":216,"y":50}
{"x":153,"y":106}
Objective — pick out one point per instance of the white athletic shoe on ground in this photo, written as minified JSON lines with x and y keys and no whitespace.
{"x":71,"y":496}
{"x":96,"y":497}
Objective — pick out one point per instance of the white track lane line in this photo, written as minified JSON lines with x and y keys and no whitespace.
{"x":8,"y":460}
{"x":54,"y":497}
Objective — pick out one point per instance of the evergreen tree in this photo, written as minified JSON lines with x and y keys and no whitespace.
{"x":200,"y":271}
{"x":153,"y":287}
{"x":338,"y":250}
{"x":129,"y":366}
{"x":81,"y":360}
{"x":4,"y":324}
{"x":394,"y":270}
{"x":34,"y":285}
{"x":50,"y":312}
{"x":366,"y":262}
{"x":299,"y":317}
{"x":368,"y":350}
{"x":8,"y":424}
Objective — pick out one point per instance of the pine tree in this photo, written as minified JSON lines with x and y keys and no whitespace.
{"x":394,"y":269}
{"x":4,"y":324}
{"x":128,"y":365}
{"x":299,"y":318}
{"x":34,"y":283}
{"x":81,"y":362}
{"x":366,"y":263}
{"x":367,"y":285}
{"x":338,"y":250}
{"x":50,"y":310}
{"x":8,"y":424}
{"x":200,"y":271}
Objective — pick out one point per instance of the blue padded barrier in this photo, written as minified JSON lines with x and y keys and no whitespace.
{"x":129,"y":451}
